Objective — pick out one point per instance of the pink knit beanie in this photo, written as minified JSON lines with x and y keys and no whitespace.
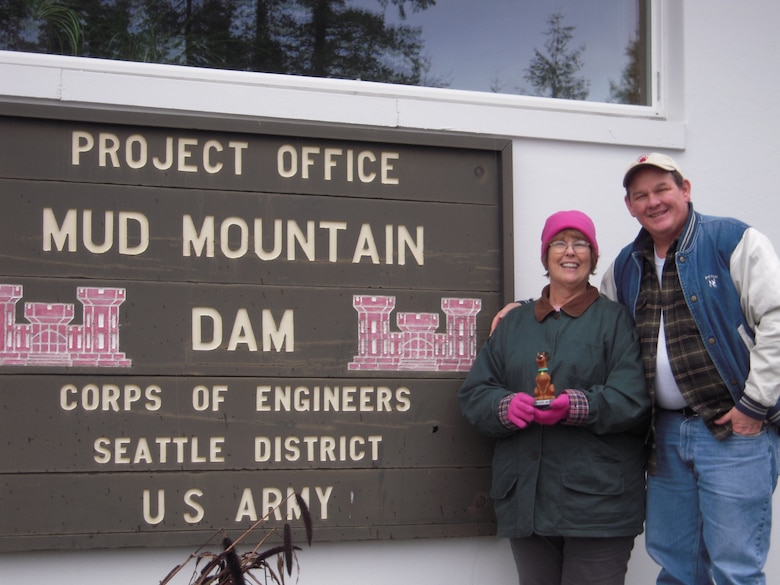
{"x":569,"y":220}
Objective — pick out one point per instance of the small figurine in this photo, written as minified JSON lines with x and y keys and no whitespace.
{"x":544,"y":392}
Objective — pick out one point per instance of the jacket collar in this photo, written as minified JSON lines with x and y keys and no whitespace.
{"x":574,"y":308}
{"x":689,"y":231}
{"x":683,"y":244}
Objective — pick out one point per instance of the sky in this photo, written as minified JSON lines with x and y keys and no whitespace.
{"x":474,"y":43}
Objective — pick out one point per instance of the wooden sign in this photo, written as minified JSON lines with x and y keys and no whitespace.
{"x":201,"y":316}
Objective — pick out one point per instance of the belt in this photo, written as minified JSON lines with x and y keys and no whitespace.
{"x":686,"y":412}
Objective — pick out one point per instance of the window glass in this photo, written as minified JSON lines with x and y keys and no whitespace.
{"x":594,"y":50}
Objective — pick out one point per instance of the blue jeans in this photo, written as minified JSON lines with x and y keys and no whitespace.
{"x":709,"y":507}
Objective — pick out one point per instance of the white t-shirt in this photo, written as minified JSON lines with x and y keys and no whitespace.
{"x":667,"y":393}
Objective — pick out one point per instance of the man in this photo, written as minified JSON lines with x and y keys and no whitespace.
{"x":705,"y":295}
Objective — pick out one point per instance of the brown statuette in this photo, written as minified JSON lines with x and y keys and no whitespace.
{"x":544,"y":392}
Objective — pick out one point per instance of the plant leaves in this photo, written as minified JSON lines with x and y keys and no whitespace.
{"x":233,"y":563}
{"x":306,"y":516}
{"x":288,"y":548}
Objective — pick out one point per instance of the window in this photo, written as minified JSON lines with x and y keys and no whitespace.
{"x":594,"y":51}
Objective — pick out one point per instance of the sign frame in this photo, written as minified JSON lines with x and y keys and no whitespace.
{"x":137,"y":417}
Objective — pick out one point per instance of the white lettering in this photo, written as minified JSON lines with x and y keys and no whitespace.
{"x":179,"y":450}
{"x":311,"y":163}
{"x":243,"y":237}
{"x":198,"y":511}
{"x":275,"y":336}
{"x":273,"y":499}
{"x":110,"y":397}
{"x":177,"y":153}
{"x":203,"y":397}
{"x":331,"y":399}
{"x":366,"y":246}
{"x":237,"y":239}
{"x":66,"y":233}
{"x":81,"y":142}
{"x":150,"y":518}
{"x":211,"y":316}
{"x":320,"y":449}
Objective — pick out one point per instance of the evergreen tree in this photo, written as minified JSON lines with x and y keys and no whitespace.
{"x":629,"y":90}
{"x":265,"y":52}
{"x":330,"y":38}
{"x":322,"y":38}
{"x":554,"y":74}
{"x":46,"y":26}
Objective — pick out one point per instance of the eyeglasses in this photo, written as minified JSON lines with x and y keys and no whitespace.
{"x":578,"y":246}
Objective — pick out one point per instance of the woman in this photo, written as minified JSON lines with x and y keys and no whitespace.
{"x":568,"y":478}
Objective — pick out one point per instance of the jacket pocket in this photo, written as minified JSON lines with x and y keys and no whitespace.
{"x":746,"y":337}
{"x":605,"y":479}
{"x":594,"y":496}
{"x":502,"y":485}
{"x":505,"y":502}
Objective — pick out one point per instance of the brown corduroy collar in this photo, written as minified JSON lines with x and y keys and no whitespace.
{"x":574,"y":308}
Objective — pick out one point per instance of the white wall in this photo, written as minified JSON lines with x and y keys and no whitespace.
{"x":718,"y":120}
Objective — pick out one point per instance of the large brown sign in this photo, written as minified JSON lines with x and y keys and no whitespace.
{"x":203,"y":315}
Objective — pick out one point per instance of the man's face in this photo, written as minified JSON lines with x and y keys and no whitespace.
{"x":658,"y":204}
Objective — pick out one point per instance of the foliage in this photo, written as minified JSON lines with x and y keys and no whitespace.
{"x":230,"y":568}
{"x":350,"y":43}
{"x":40,"y":25}
{"x":629,"y":89}
{"x":554,"y":74}
{"x":345,"y":39}
{"x":321,"y":38}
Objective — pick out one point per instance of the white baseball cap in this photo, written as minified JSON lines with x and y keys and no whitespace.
{"x":654,"y":159}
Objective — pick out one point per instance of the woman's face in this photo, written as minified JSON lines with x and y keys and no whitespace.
{"x":569,"y":259}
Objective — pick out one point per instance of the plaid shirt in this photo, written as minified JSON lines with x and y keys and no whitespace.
{"x":697,"y":377}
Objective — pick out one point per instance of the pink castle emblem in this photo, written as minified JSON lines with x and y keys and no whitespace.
{"x":50,"y":340}
{"x":417,"y":346}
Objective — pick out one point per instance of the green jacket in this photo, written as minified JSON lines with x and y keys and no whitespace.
{"x":562,"y":480}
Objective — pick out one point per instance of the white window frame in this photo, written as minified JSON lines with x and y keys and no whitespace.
{"x":143,"y":86}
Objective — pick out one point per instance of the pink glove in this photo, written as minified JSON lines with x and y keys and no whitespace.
{"x":559,"y":410}
{"x":521,"y":410}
